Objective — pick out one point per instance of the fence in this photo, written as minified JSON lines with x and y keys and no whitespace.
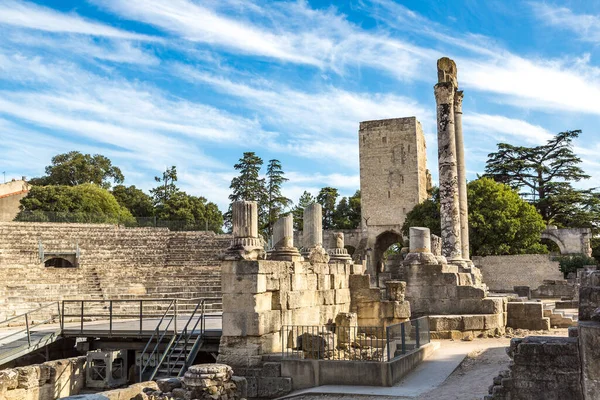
{"x":99,"y":218}
{"x":359,"y":343}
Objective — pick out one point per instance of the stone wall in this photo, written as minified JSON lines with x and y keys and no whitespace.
{"x":544,"y":368}
{"x":48,"y":381}
{"x":115,"y":262}
{"x":503,"y":273}
{"x":527,"y":315}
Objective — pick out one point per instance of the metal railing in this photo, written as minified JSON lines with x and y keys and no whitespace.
{"x":330,"y":342}
{"x":356,"y":343}
{"x":29,"y":321}
{"x":136,"y":311}
{"x":100,"y":218}
{"x":158,"y":335}
{"x":406,"y":337}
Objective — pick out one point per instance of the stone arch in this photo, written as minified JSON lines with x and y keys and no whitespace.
{"x":552,"y":235}
{"x":570,"y":240}
{"x":383,"y":241}
{"x":59,"y":262}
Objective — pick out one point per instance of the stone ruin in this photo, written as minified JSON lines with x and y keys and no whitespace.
{"x":261,"y":297}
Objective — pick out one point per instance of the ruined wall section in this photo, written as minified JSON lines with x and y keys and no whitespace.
{"x":503,"y":273}
{"x":393,"y":176}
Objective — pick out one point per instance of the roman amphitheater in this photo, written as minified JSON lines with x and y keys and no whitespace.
{"x":108,"y":312}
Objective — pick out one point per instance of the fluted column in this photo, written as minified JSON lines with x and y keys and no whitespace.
{"x":461,"y":175}
{"x":448,"y":174}
{"x":246,"y":243}
{"x":283,"y":240}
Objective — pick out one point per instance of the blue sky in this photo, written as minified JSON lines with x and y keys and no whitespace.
{"x":194,"y":84}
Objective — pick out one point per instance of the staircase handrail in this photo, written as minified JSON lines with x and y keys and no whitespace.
{"x":186,"y":336}
{"x":156,"y":333}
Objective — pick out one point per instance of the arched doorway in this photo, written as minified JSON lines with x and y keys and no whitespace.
{"x":382,"y":243}
{"x":351,"y":250}
{"x":58,"y":262}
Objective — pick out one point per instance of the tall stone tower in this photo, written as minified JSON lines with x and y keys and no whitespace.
{"x":393,"y":179}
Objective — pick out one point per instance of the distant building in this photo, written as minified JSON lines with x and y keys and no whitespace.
{"x":11,"y":194}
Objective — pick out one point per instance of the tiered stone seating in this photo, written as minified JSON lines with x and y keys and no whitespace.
{"x":115,"y":263}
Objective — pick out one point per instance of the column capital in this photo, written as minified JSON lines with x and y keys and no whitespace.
{"x":458,"y":100}
{"x":444,"y":93}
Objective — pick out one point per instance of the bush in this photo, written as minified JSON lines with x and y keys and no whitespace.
{"x":572,"y":263}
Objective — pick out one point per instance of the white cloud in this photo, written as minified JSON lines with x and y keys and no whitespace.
{"x":500,"y":127}
{"x":29,"y":15}
{"x":586,"y":26}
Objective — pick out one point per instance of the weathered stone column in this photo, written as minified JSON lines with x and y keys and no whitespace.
{"x":246,"y":243}
{"x":313,"y":234}
{"x":462,"y":176}
{"x":283,"y":240}
{"x":448,"y":174}
{"x":313,"y":226}
{"x":420,"y":247}
{"x":339,"y":253}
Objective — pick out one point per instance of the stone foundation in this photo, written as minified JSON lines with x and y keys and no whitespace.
{"x":48,"y":381}
{"x":527,"y":315}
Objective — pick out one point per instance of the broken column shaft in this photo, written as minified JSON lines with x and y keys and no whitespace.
{"x":246,"y":243}
{"x":283,"y":240}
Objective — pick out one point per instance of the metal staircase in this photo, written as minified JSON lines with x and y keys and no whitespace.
{"x":179,"y":348}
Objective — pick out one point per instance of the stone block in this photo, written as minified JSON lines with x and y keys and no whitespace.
{"x":357,"y":269}
{"x":469,"y":292}
{"x":247,"y":302}
{"x":402,"y":309}
{"x":299,"y":282}
{"x":323,"y":282}
{"x":326,"y":297}
{"x":446,"y":323}
{"x":9,"y":379}
{"x":251,"y":324}
{"x":473,"y":322}
{"x":241,"y":386}
{"x":271,"y":370}
{"x":273,"y":387}
{"x":340,"y":281}
{"x":29,"y":377}
{"x":321,"y":269}
{"x":272,"y":283}
{"x":301,"y":299}
{"x":365,"y":295}
{"x":233,"y":283}
{"x":311,"y":282}
{"x":252,"y":386}
{"x":342,"y":296}
{"x":465,"y":279}
{"x":360,"y":282}
{"x":492,"y":306}
{"x":306,"y":315}
{"x":493,"y":321}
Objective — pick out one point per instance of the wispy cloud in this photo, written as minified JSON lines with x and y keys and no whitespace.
{"x":585,"y":26}
{"x":504,"y":129}
{"x":30,"y":15}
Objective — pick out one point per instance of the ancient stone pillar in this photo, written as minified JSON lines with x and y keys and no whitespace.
{"x":420,"y":247}
{"x":283,"y":240}
{"x":246,"y":243}
{"x":448,"y":174}
{"x":339,"y":252}
{"x":462,"y":175}
{"x":313,"y":226}
{"x":313,"y":234}
{"x":420,"y":240}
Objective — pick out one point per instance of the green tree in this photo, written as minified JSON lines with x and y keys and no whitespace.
{"x":135,"y":200}
{"x":347,"y":212}
{"x":166,"y":188}
{"x":327,"y":197}
{"x":82,"y":203}
{"x":249,"y":186}
{"x":500,"y":221}
{"x":276,"y":202}
{"x":75,"y":168}
{"x":298,"y":211}
{"x":425,"y":214}
{"x":544,"y":175}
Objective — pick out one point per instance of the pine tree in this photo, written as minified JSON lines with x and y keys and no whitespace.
{"x":298,"y":212}
{"x":249,"y":186}
{"x":166,"y":188}
{"x":276,"y":202}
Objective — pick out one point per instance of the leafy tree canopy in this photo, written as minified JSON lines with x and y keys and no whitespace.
{"x":500,"y":221}
{"x":347,"y":212}
{"x":327,"y":197}
{"x":75,"y":168}
{"x":276,"y":202}
{"x":305,"y":200}
{"x":135,"y":200}
{"x":81,"y":203}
